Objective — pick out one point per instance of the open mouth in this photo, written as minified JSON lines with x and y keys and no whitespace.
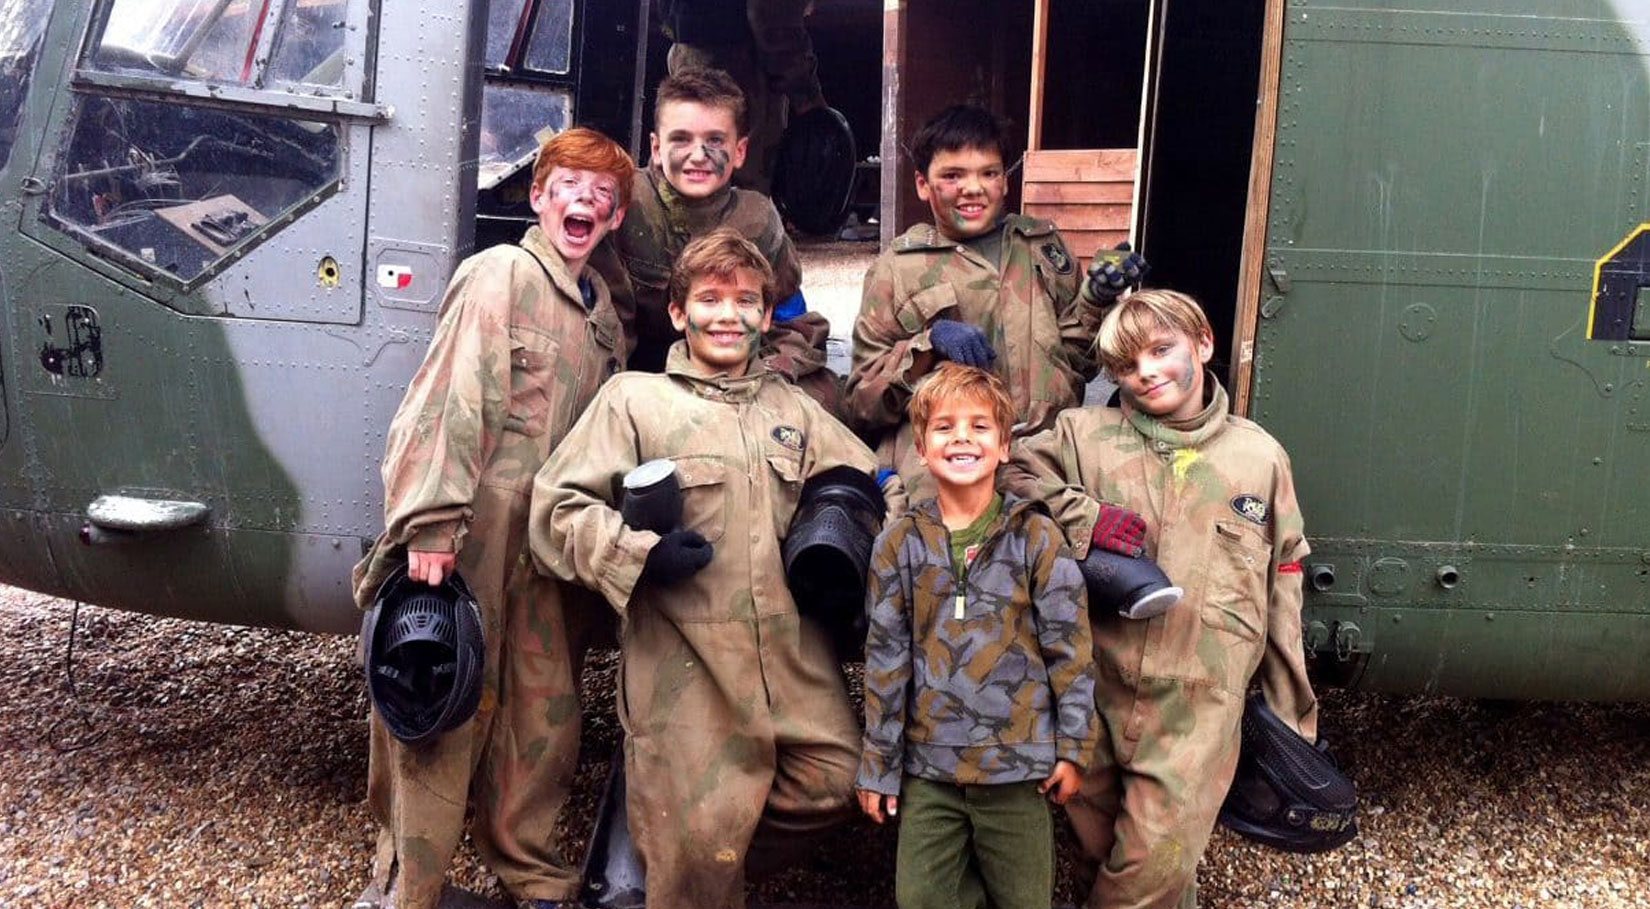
{"x":578,"y":228}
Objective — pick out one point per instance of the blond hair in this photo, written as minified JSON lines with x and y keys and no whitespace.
{"x":720,"y":252}
{"x":1129,"y":327}
{"x":951,"y":381}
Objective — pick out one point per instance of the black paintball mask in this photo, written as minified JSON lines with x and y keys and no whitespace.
{"x":827,"y":553}
{"x":1288,"y":793}
{"x":813,"y":172}
{"x":423,"y":650}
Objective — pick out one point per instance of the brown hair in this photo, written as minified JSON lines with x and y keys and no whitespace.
{"x":580,"y":148}
{"x":1128,"y":328}
{"x":953,"y":380}
{"x":710,"y":87}
{"x":720,"y":252}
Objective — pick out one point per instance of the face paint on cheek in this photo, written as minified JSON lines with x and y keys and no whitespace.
{"x":1188,"y":371}
{"x":718,"y":158}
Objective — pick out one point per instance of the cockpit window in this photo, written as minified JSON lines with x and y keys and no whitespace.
{"x":550,"y":49}
{"x":21,"y":24}
{"x":252,"y":43}
{"x":503,"y":19}
{"x":177,"y":188}
{"x":512,"y":116}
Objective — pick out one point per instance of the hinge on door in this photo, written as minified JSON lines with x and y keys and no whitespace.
{"x":1279,"y":276}
{"x":1271,"y":306}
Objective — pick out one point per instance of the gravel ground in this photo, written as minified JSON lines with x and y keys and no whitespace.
{"x":193,"y":765}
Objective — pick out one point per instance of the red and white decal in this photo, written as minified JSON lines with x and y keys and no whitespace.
{"x":394,"y":277}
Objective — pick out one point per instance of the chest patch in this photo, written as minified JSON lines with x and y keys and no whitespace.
{"x":1251,"y":508}
{"x":1057,"y":258}
{"x":790,"y":437}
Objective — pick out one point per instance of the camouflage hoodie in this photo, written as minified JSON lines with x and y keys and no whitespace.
{"x":997,"y":696}
{"x":1035,"y":310}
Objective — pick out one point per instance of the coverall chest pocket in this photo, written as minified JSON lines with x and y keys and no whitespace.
{"x":785,"y":482}
{"x":704,"y":483}
{"x":532,"y":364}
{"x":925,"y":306}
{"x":1236,"y":599}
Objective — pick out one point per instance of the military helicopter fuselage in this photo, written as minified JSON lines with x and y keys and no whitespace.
{"x":230,"y":222}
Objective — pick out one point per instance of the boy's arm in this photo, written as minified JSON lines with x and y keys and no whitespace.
{"x":795,"y":346}
{"x":1283,"y":667}
{"x":887,"y":668}
{"x":607,"y":263}
{"x":785,"y":50}
{"x":452,"y":412}
{"x":1043,"y":467}
{"x":832,"y":444}
{"x":890,"y":352}
{"x":574,"y":530}
{"x":1060,"y":609}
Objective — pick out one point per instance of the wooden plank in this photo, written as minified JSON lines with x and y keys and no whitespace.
{"x":1246,"y":322}
{"x":1039,"y":67}
{"x":894,"y":176}
{"x":1078,"y":193}
{"x":1085,"y":217}
{"x":1110,"y":165}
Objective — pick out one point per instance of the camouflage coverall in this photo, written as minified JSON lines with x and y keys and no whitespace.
{"x":1035,"y":311}
{"x":736,"y":718}
{"x":764,"y":46}
{"x":515,"y":358}
{"x":636,"y":260}
{"x":1220,"y":503}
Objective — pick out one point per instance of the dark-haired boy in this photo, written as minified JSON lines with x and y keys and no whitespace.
{"x":698,"y":141}
{"x":1225,"y":526}
{"x":524,"y":336}
{"x":978,"y":287}
{"x":736,"y":716}
{"x":979,"y":675}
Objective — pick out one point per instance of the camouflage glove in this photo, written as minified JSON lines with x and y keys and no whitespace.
{"x":1119,"y":530}
{"x":677,"y":556}
{"x":1114,"y":271}
{"x":962,"y":343}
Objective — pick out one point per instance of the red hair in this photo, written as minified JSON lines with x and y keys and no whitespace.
{"x":580,"y":148}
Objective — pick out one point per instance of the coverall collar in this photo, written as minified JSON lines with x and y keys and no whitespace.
{"x":689,"y":217}
{"x":535,"y":242}
{"x":928,"y":510}
{"x":716,"y":386}
{"x":1188,"y":433}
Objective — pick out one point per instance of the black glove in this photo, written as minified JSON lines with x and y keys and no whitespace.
{"x":678,"y":555}
{"x":1116,"y":270}
{"x":962,"y":343}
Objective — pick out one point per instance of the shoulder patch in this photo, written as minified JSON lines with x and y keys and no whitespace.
{"x":1057,"y":258}
{"x":790,"y":437}
{"x":1251,"y":508}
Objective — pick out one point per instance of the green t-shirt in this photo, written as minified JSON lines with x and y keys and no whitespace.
{"x":970,"y":537}
{"x":990,"y":244}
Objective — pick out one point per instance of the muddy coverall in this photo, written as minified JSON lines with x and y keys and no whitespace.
{"x":1036,"y":311}
{"x":736,"y":719}
{"x":636,"y":260}
{"x":1223,"y":523}
{"x":516,"y":356}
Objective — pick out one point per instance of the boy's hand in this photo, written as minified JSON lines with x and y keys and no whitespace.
{"x":1063,"y":783}
{"x":678,"y":555}
{"x":430,"y":567}
{"x":962,"y":343}
{"x":871,"y":803}
{"x":1116,"y":270}
{"x":1120,"y":530}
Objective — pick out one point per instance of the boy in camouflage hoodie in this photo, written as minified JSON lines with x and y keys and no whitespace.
{"x":979,"y":678}
{"x":977,"y":287}
{"x":699,"y":139}
{"x":736,"y":717}
{"x":1218,"y":496}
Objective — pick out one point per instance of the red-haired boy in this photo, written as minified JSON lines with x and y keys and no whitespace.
{"x":525,"y":336}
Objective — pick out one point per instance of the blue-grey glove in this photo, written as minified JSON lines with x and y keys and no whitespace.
{"x":1116,"y":270}
{"x":962,"y":343}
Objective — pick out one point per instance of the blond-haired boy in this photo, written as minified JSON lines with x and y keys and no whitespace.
{"x":979,"y":681}
{"x":1223,"y":523}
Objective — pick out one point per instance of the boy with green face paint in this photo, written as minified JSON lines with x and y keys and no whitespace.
{"x":699,"y":140}
{"x":736,"y":716}
{"x":978,"y":287}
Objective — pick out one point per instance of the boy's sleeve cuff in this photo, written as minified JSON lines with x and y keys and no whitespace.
{"x":878,"y":773}
{"x":442,"y":536}
{"x":618,"y":580}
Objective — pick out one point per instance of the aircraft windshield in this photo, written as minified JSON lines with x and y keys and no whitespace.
{"x":226,"y":41}
{"x":177,"y":187}
{"x":21,"y":24}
